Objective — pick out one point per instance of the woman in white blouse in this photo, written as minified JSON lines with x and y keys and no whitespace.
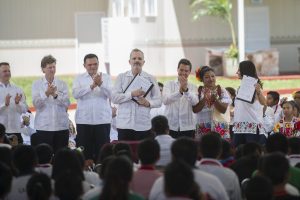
{"x":212,"y":112}
{"x":248,"y":117}
{"x":50,"y":98}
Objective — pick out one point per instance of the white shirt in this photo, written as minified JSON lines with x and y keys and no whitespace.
{"x":179,"y":109}
{"x":18,"y":188}
{"x":157,"y":111}
{"x":130,"y":115}
{"x":225,"y":175}
{"x":165,"y":143}
{"x":294,"y":159}
{"x":10,"y":115}
{"x":268,"y":120}
{"x":247,"y":117}
{"x":208,"y":184}
{"x":93,"y":106}
{"x":277,"y":112}
{"x":51,"y":114}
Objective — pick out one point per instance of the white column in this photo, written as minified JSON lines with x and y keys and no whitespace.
{"x":241,"y":29}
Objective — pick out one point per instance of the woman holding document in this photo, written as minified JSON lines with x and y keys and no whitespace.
{"x":248,"y":115}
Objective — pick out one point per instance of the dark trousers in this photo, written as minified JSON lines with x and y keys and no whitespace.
{"x":132,"y":135}
{"x":92,"y":138}
{"x":19,"y":136}
{"x":178,"y":134}
{"x":56,"y":139}
{"x":239,"y":139}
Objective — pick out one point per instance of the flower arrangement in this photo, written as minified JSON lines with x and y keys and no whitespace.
{"x":197,"y":73}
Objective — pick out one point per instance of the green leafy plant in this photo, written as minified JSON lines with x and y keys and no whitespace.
{"x":217,"y":8}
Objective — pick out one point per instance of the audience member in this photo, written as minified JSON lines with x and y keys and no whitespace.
{"x":6,"y":178}
{"x":44,"y":157}
{"x":294,"y":150}
{"x":259,"y":188}
{"x":179,"y":172}
{"x":160,"y":127}
{"x":186,"y":149}
{"x":24,"y":159}
{"x":210,"y":150}
{"x":39,"y":187}
{"x":145,"y":176}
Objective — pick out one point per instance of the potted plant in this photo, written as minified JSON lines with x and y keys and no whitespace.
{"x":221,"y":9}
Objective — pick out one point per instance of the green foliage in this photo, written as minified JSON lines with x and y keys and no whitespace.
{"x":216,"y":8}
{"x":232,"y":52}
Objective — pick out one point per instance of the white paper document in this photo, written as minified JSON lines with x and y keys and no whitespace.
{"x":139,"y":82}
{"x":247,"y":89}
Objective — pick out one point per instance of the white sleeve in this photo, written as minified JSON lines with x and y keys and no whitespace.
{"x":118,"y":96}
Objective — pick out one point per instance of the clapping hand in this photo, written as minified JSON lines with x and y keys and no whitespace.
{"x":7,"y":99}
{"x":97,"y":78}
{"x":18,"y":98}
{"x":51,"y":90}
{"x":183,"y":81}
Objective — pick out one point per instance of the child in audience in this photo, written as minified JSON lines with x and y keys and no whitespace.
{"x":39,"y":187}
{"x":44,"y":156}
{"x":289,"y":125}
{"x":273,"y":102}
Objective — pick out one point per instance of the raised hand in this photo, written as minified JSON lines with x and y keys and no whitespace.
{"x":18,"y":98}
{"x":97,"y":78}
{"x":183,"y":81}
{"x":51,"y":90}
{"x":7,"y":99}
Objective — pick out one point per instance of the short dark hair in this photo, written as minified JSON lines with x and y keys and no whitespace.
{"x":160,"y":84}
{"x":44,"y":153}
{"x":4,"y":63}
{"x":259,"y":188}
{"x":211,"y":145}
{"x":275,"y":166}
{"x":185,"y":149}
{"x":277,"y":142}
{"x":275,"y":95}
{"x":49,"y":59}
{"x":185,"y":61}
{"x":88,"y":56}
{"x":294,"y":145}
{"x":2,"y":130}
{"x":251,"y":148}
{"x":5,"y":180}
{"x":160,"y":124}
{"x":68,"y":185}
{"x":24,"y":159}
{"x":39,"y":187}
{"x":148,"y":151}
{"x":123,"y":149}
{"x":179,"y":180}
